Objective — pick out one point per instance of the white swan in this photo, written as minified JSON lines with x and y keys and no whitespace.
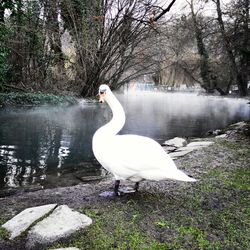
{"x":130,"y":157}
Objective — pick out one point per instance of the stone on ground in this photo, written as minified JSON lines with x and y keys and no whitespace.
{"x":60,"y":224}
{"x":189,"y":148}
{"x":23,"y":220}
{"x":199,"y":144}
{"x":176,"y":142}
{"x":169,"y":148}
{"x":180,"y":153}
{"x":221,"y":136}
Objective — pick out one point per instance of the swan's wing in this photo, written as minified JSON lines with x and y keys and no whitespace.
{"x":136,"y":158}
{"x":138,"y":153}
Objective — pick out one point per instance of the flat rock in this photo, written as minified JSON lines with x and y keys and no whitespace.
{"x":181,"y":152}
{"x":60,"y":224}
{"x":176,"y":142}
{"x":238,"y":125}
{"x":199,"y":144}
{"x":189,"y":148}
{"x":217,"y":132}
{"x":221,"y":136}
{"x":23,"y":220}
{"x":169,"y":148}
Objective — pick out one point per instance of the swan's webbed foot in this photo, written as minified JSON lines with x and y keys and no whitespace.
{"x":129,"y":190}
{"x":119,"y":192}
{"x":114,"y":193}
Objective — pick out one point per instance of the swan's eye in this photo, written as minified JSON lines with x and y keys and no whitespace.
{"x":102,"y":92}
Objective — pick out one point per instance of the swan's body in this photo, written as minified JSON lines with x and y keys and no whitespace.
{"x":131,"y":157}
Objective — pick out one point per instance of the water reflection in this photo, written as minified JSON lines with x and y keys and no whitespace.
{"x":40,"y":145}
{"x":52,"y":146}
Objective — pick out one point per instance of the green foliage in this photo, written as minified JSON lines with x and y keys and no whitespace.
{"x":7,"y":4}
{"x":196,"y":235}
{"x":162,"y":223}
{"x":12,"y":99}
{"x":4,"y":234}
{"x":240,"y":180}
{"x":4,"y":53}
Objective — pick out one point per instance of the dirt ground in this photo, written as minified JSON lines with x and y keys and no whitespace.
{"x":212,"y":213}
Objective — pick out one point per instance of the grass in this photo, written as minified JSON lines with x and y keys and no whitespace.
{"x":212,"y":214}
{"x":112,"y":232}
{"x":4,"y":234}
{"x":213,"y":218}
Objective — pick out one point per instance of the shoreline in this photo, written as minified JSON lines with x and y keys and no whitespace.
{"x":172,"y":215}
{"x":231,"y":130}
{"x":29,"y":99}
{"x":8,"y":191}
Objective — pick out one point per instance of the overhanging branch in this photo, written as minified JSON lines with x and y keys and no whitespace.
{"x":164,"y":11}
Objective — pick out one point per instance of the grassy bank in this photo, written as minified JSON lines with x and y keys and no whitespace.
{"x":210,"y":214}
{"x":22,"y":99}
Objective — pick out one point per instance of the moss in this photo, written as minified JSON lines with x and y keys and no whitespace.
{"x":13,"y":99}
{"x":4,"y":234}
{"x":197,"y":237}
{"x":162,"y":223}
{"x":240,"y":180}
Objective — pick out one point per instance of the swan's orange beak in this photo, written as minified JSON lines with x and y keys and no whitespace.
{"x":102,"y":97}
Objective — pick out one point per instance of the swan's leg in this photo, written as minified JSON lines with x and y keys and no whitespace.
{"x":117,"y":184}
{"x":136,"y":186}
{"x":114,"y":193}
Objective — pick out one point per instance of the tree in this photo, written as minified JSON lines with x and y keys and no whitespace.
{"x":107,"y":39}
{"x":178,"y":60}
{"x":239,"y":52}
{"x":114,"y":41}
{"x":118,"y":32}
{"x":53,"y":32}
{"x":205,"y":69}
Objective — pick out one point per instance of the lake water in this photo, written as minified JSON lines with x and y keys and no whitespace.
{"x":51,"y":146}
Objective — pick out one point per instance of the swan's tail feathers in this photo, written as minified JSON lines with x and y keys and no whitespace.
{"x":175,"y":174}
{"x":191,"y":179}
{"x":181,"y":176}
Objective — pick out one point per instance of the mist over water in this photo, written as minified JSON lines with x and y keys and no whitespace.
{"x":166,"y":115}
{"x":51,"y":146}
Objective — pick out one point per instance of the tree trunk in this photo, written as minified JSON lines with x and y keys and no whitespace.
{"x":53,"y":32}
{"x":234,"y":70}
{"x":17,"y":57}
{"x":204,"y":63}
{"x":245,"y":51}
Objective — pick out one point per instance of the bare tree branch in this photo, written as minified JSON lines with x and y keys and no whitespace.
{"x":164,"y":11}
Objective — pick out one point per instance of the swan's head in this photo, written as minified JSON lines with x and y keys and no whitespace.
{"x":104,"y":90}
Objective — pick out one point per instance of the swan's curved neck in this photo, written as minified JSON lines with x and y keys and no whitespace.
{"x":118,"y":120}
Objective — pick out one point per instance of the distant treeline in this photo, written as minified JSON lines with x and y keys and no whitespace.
{"x":71,"y":46}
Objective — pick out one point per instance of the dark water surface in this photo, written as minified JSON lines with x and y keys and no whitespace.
{"x":51,"y":146}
